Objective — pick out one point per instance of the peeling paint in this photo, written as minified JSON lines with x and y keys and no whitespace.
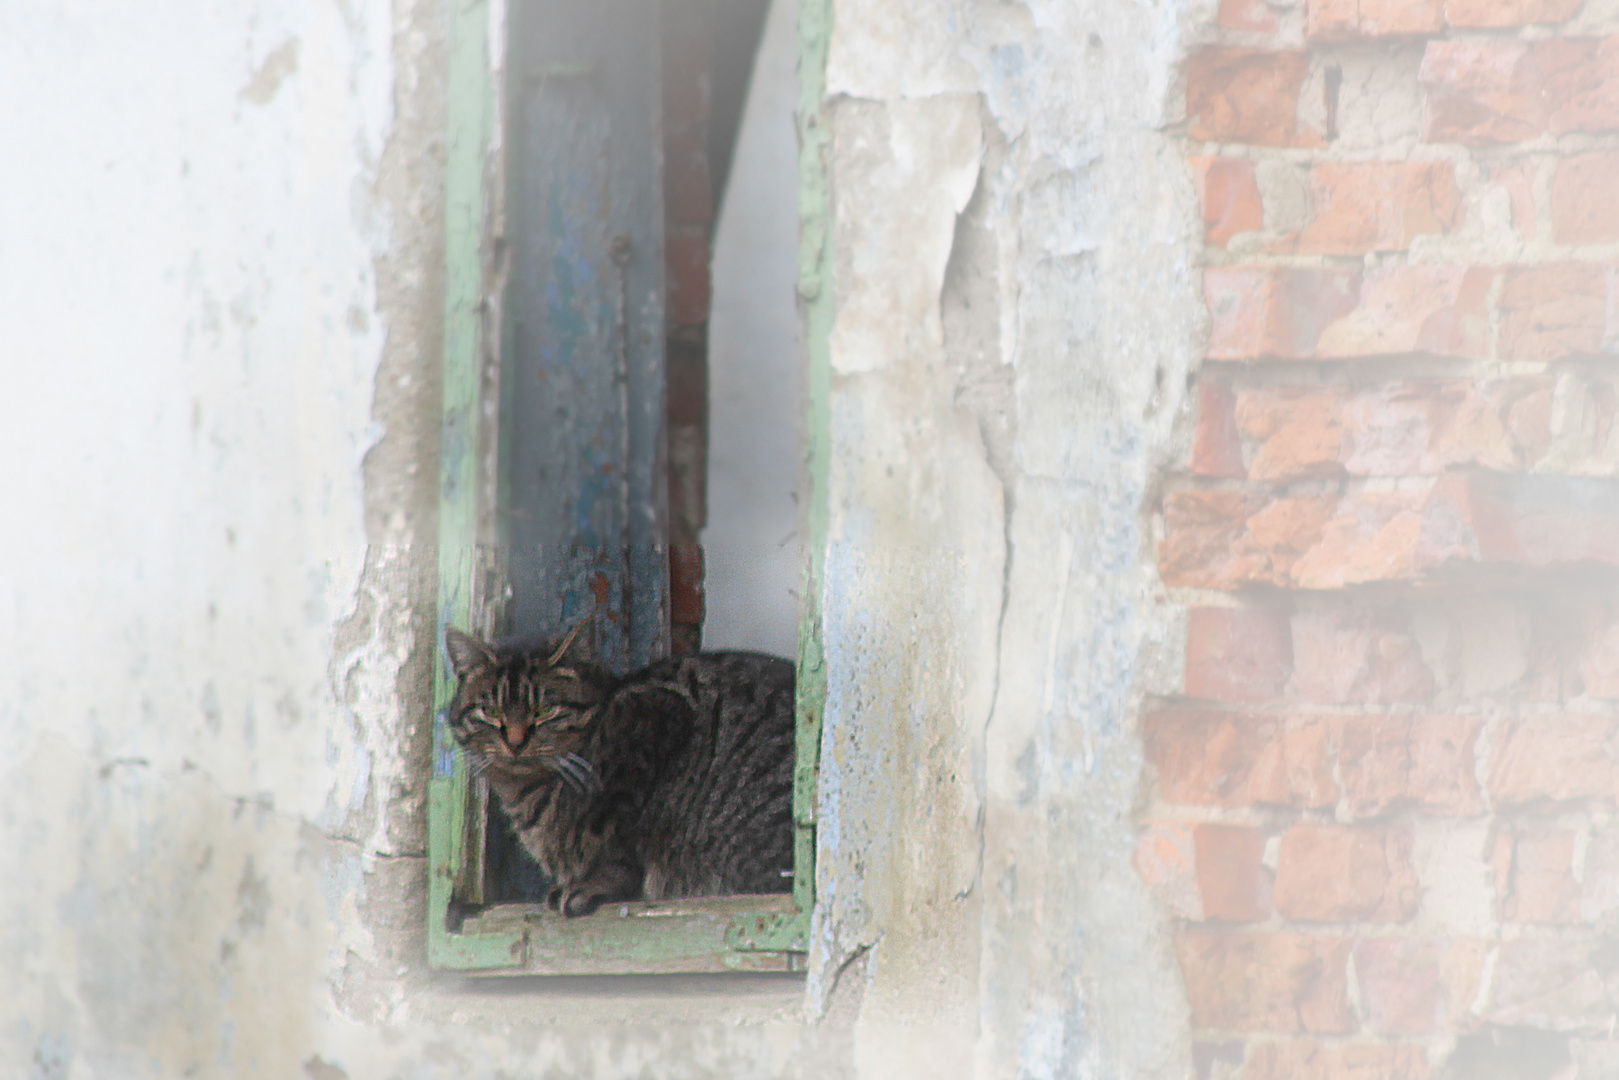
{"x":1072,"y":320}
{"x":219,"y":653}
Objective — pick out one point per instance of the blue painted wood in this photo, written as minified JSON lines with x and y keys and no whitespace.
{"x":584,"y":384}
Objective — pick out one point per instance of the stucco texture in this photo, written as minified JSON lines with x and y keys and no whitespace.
{"x":1016,"y":315}
{"x":221,"y":288}
{"x":221,"y":296}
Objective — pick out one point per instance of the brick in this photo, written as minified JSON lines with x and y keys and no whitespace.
{"x":1216,"y":445}
{"x":1297,"y":432}
{"x":1383,"y":763}
{"x":1247,"y":96}
{"x":1423,"y":428}
{"x":1549,"y":984}
{"x":688,"y":195}
{"x":688,"y":482}
{"x":1599,"y":891}
{"x":1483,"y":93}
{"x":687,"y":72}
{"x":1417,"y":985}
{"x":686,"y":256}
{"x":1238,"y":759}
{"x":1374,"y":760}
{"x":1411,"y":428}
{"x":1337,"y":873}
{"x":1434,"y":310}
{"x":1255,"y":15}
{"x":1274,"y":314}
{"x":1285,"y":983}
{"x":1443,"y":778}
{"x":1310,"y":1060}
{"x":1232,"y":881}
{"x":1599,"y":660}
{"x":1298,"y":314}
{"x":1553,"y":759}
{"x":1367,"y":537}
{"x":1503,"y":13}
{"x":1540,"y":885}
{"x":1582,"y":83}
{"x":1228,"y":539}
{"x":1233,"y":540}
{"x":1559,"y":310}
{"x":1341,"y":20}
{"x":686,"y":584}
{"x":1357,"y":657}
{"x":1229,"y":195}
{"x":1238,"y":654}
{"x":686,"y":381}
{"x":1381,"y":206}
{"x":1529,"y":421}
{"x":1584,"y":210}
{"x":1537,"y":521}
{"x":1165,"y":858}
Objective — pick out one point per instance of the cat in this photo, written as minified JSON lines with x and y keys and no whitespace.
{"x":672,"y":781}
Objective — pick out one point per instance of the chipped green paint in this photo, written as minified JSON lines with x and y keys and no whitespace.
{"x":816,"y":293}
{"x":641,"y":937}
{"x":471,"y":122}
{"x":745,"y":933}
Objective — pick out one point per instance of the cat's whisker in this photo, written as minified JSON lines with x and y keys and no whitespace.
{"x":592,"y":781}
{"x":580,"y":772}
{"x":569,"y":773}
{"x":678,"y":781}
{"x":562,"y":650}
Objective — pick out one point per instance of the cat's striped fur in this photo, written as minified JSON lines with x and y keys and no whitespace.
{"x":675,"y":780}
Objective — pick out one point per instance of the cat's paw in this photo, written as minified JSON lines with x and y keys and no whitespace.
{"x":576,"y":901}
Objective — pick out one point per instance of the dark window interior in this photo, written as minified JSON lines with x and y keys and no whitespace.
{"x":623,"y":122}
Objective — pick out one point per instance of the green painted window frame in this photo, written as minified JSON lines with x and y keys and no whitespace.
{"x":734,"y":933}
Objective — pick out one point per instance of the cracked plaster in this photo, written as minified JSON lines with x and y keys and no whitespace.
{"x":997,"y":430}
{"x":216,"y":640}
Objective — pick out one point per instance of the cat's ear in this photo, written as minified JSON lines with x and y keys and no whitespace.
{"x":467,"y":653}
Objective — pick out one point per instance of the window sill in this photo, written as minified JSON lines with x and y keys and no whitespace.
{"x":707,"y":934}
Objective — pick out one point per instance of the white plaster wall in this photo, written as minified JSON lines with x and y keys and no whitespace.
{"x":1016,"y":316}
{"x":755,"y":368}
{"x":189,"y":299}
{"x":220,"y":297}
{"x":220,"y":301}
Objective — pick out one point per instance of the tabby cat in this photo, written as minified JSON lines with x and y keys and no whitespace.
{"x":675,"y":780}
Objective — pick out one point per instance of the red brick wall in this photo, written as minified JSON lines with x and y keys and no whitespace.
{"x":688,"y":222}
{"x":1384,"y":805}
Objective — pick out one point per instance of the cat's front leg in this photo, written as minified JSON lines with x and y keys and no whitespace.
{"x":607,"y":881}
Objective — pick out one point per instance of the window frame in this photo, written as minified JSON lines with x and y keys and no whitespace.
{"x":732,"y":933}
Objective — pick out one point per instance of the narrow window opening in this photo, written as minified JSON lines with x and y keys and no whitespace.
{"x":646,"y":459}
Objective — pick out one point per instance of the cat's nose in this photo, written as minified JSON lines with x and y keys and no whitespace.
{"x":515,"y":734}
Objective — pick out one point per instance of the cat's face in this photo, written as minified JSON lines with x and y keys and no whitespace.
{"x":516,"y":709}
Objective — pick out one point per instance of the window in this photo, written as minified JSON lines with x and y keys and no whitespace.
{"x":566,"y":472}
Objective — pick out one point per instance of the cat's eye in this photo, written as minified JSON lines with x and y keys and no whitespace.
{"x":478,"y":714}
